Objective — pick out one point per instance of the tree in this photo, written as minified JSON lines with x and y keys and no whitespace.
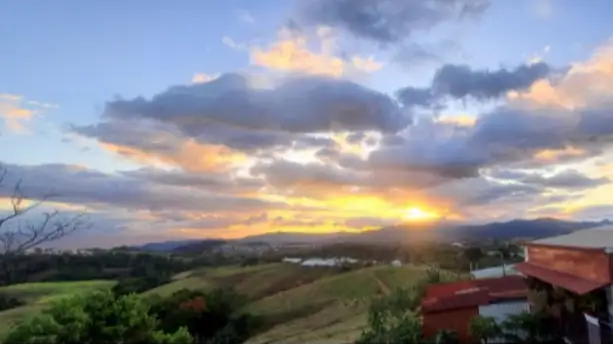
{"x":95,"y":318}
{"x":392,"y":320}
{"x":530,"y":328}
{"x":446,"y":336}
{"x":473,"y":255}
{"x":484,"y":329}
{"x":17,"y":234}
{"x":210,"y":317}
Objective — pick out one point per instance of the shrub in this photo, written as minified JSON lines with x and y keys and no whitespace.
{"x":8,"y":302}
{"x":98,"y":317}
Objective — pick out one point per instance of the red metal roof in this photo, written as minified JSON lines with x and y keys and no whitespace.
{"x":469,"y":293}
{"x":567,"y":281}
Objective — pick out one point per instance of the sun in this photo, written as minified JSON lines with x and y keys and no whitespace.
{"x":417,"y":214}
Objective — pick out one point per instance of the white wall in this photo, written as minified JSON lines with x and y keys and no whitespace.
{"x":501,"y":311}
{"x":494,"y":272}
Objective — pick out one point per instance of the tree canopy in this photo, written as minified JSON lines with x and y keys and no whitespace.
{"x":98,"y":317}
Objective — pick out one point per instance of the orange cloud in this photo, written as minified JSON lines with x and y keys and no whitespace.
{"x":189,"y":155}
{"x":458,"y":120}
{"x":555,"y":155}
{"x":586,"y":84}
{"x":203,"y":78}
{"x":366,"y":64}
{"x":13,"y":113}
{"x":291,"y":53}
{"x":16,"y":111}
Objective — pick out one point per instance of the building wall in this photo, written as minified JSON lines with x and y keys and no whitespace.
{"x":590,"y":264}
{"x":457,"y":320}
{"x":501,"y":311}
{"x":494,"y":272}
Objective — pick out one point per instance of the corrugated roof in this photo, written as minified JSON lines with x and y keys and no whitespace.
{"x":468,"y":293}
{"x":599,"y":237}
{"x":567,"y":281}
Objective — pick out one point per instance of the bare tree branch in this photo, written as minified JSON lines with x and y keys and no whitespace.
{"x":26,"y":235}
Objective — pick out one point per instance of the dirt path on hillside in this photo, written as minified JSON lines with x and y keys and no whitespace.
{"x":384,"y":288}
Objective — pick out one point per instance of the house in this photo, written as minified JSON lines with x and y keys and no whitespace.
{"x":452,"y":306}
{"x":292,"y":260}
{"x":494,"y":272}
{"x":581,"y":263}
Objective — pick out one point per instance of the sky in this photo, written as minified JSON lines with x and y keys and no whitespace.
{"x":161,"y":120}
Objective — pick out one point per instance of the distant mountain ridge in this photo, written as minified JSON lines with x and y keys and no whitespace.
{"x":402,"y":233}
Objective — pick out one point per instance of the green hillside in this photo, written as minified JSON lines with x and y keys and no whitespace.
{"x":300,"y":304}
{"x":38,"y":295}
{"x":303,"y":304}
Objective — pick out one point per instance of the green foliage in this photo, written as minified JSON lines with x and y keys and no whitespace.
{"x":210,"y":317}
{"x":484,"y":329}
{"x":101,"y":265}
{"x":530,"y":328}
{"x":473,"y":255}
{"x":446,"y":336}
{"x":391,"y":320}
{"x":385,"y":327}
{"x":98,"y":317}
{"x":9,"y":302}
{"x":139,"y":284}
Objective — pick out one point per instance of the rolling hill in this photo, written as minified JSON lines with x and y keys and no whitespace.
{"x":303,"y":304}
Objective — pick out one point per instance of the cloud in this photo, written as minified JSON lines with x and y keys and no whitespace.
{"x":366,"y":64}
{"x":594,"y":212}
{"x":203,"y":78}
{"x":569,"y":117}
{"x":228,"y":41}
{"x":460,"y":81}
{"x":217,"y":182}
{"x":482,"y":191}
{"x":369,"y":222}
{"x":148,"y":142}
{"x":567,"y":179}
{"x":84,"y":186}
{"x":542,"y":8}
{"x":387,"y":21}
{"x":291,"y":53}
{"x":248,"y":153}
{"x":246,"y":17}
{"x":301,"y":104}
{"x":15,"y":112}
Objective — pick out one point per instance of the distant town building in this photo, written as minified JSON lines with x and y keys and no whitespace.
{"x":292,"y":260}
{"x":312,"y":262}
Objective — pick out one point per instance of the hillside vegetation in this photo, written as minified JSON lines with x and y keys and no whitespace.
{"x":299,"y":304}
{"x":38,"y":295}
{"x":303,"y":304}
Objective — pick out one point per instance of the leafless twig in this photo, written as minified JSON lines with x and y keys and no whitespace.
{"x":26,"y":235}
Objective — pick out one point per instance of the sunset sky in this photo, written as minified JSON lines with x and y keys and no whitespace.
{"x":189,"y":119}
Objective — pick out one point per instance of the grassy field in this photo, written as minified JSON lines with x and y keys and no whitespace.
{"x":300,"y":304}
{"x":38,"y":295}
{"x":332,"y":309}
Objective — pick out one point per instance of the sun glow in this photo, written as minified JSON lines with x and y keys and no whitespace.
{"x":417,"y":214}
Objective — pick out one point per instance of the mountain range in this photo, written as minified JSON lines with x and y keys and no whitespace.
{"x":402,"y":233}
